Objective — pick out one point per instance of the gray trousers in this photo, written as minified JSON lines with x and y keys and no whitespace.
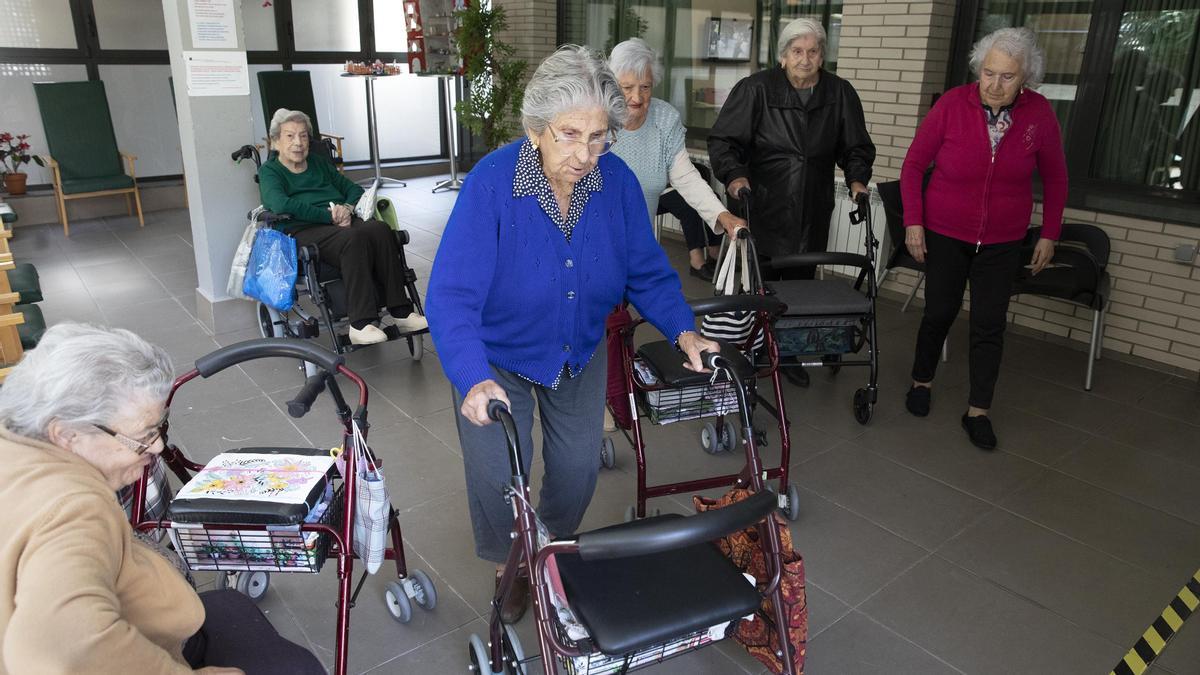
{"x":572,"y":430}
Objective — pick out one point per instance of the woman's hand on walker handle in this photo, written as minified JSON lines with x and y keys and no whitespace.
{"x":736,"y":186}
{"x":475,"y":403}
{"x":914,"y":241}
{"x":730,"y":223}
{"x":692,"y":344}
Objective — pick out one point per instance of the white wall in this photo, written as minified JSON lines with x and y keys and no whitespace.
{"x":44,"y":24}
{"x":143,"y":113}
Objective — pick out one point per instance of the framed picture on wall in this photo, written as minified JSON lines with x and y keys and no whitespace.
{"x":729,"y":39}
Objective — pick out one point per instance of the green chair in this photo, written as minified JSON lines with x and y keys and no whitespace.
{"x":84,"y":157}
{"x":292,"y":89}
{"x":33,"y":328}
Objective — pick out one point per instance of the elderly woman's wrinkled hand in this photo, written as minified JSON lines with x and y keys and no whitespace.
{"x":914,"y":241}
{"x":736,"y":186}
{"x":692,"y":344}
{"x":1043,"y":253}
{"x":475,"y":403}
{"x":341,"y":214}
{"x":731,"y":224}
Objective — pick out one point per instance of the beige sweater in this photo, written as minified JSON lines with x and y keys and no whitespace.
{"x":78,"y":593}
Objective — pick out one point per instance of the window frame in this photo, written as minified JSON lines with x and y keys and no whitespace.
{"x":89,"y":54}
{"x":1086,"y":193}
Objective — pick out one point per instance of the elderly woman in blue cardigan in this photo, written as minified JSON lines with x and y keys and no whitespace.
{"x":549,"y":234}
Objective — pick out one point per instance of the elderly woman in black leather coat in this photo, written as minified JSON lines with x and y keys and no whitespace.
{"x":781,"y":132}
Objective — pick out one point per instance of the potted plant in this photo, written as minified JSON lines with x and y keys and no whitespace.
{"x":14,"y":151}
{"x":493,"y":78}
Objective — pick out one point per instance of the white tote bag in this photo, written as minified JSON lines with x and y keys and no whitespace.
{"x":372,"y":507}
{"x":241,"y":257}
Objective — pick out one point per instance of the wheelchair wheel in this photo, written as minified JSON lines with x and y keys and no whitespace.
{"x":398,"y":604}
{"x":481,"y":658}
{"x":709,"y":440}
{"x":416,"y":346}
{"x":862,"y":407}
{"x":608,"y":453}
{"x":514,"y":655}
{"x":266,"y":323}
{"x":253,"y":585}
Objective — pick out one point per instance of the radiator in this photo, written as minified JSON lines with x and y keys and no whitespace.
{"x":843,"y":235}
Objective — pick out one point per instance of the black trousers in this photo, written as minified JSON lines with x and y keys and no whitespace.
{"x":367,"y":257}
{"x":237,"y":634}
{"x":949,"y":264}
{"x":696,"y":232}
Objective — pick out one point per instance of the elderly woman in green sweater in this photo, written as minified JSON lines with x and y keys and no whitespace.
{"x":321,"y":202}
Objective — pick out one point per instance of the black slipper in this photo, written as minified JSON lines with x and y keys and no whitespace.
{"x":979,"y":430}
{"x":917,"y":400}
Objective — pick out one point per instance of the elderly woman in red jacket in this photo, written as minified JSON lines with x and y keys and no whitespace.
{"x":984,"y":140}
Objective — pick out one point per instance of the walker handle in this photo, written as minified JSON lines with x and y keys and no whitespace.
{"x":250,"y":350}
{"x":313,"y":386}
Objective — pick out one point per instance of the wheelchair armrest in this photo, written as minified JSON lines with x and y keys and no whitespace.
{"x":815,"y":258}
{"x":645,"y":537}
{"x":269,"y":218}
{"x":402,"y":237}
{"x":737,"y":303}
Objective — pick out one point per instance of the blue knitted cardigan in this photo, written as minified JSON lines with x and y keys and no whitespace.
{"x":508,"y":289}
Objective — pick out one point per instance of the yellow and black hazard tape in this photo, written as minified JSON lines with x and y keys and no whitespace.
{"x":1154,"y":640}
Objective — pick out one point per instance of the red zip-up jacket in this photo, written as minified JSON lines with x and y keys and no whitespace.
{"x":972,"y":195}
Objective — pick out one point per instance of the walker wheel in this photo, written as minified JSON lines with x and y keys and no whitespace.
{"x":729,"y":437}
{"x":513,"y":654}
{"x":608,"y":453}
{"x":862,"y":406}
{"x":253,"y":585}
{"x":416,"y":346}
{"x":424,"y":593}
{"x":266,"y":325}
{"x":397,"y":602}
{"x":793,"y":502}
{"x":709,"y":440}
{"x":481,"y":658}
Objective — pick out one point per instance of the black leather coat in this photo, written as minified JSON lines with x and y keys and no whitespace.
{"x":788,"y":150}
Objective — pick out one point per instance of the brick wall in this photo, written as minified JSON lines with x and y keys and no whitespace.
{"x":532,"y":29}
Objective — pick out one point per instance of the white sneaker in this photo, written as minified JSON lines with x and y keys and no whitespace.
{"x":409,"y":324}
{"x":367,"y":336}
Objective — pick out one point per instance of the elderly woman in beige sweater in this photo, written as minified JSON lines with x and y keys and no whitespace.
{"x":80,"y":418}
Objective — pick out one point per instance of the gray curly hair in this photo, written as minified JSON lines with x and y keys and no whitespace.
{"x":637,"y":58}
{"x":571,"y":78}
{"x":80,"y":374}
{"x":282,"y":117}
{"x":1019,"y":43}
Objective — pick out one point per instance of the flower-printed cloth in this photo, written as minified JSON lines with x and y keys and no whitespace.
{"x":281,"y":479}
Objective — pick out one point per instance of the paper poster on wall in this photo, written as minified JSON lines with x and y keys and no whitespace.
{"x":217,"y":73}
{"x":213,"y":24}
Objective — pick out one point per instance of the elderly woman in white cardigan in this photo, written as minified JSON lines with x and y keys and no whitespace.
{"x":652,"y":144}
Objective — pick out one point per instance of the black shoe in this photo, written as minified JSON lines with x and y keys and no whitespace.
{"x":917,"y":400}
{"x":979,"y":430}
{"x":797,"y":375}
{"x":703,"y":272}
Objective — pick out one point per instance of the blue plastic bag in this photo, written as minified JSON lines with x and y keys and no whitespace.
{"x":271,"y":274}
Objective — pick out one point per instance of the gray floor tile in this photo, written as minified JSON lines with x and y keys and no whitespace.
{"x":117,"y":295}
{"x":1068,"y":405}
{"x":416,"y":387}
{"x":824,"y":610}
{"x":170,"y":262}
{"x":1037,"y":438}
{"x":110,"y":272}
{"x":102,"y":255}
{"x":1113,"y":524}
{"x":960,"y":617}
{"x":1163,"y":435}
{"x":835,"y":542}
{"x":885,"y":493}
{"x":1061,"y":575}
{"x":203,"y":430}
{"x":856,"y":645}
{"x":1178,"y":398}
{"x":1140,"y":475}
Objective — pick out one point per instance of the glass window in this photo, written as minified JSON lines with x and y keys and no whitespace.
{"x":130,"y":24}
{"x":1062,"y":29}
{"x":1150,"y":134}
{"x":326,"y":25}
{"x":21,"y":115}
{"x":390,"y":34}
{"x":40,"y":24}
{"x":258,"y":21}
{"x":143,"y":115}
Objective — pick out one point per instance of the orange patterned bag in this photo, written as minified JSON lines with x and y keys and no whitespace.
{"x":759,"y":636}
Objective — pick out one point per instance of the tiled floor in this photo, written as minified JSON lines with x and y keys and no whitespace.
{"x":924,"y":555}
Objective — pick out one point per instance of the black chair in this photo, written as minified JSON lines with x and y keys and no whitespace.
{"x":1076,"y":274}
{"x":292,"y":89}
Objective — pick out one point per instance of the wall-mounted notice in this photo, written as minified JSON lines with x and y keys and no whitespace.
{"x":217,"y":73}
{"x":213,"y":25}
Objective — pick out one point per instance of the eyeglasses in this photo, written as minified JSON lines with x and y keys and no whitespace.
{"x":139,"y":446}
{"x":595,"y":148}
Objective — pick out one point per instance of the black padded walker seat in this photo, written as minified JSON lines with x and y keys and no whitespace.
{"x":632,"y":603}
{"x":821,"y":298}
{"x":667,"y":363}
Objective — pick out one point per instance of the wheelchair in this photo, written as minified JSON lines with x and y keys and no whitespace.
{"x":320,"y":283}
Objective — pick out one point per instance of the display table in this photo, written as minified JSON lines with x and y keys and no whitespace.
{"x":373,"y":133}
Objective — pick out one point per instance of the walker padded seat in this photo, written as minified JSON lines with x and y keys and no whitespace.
{"x":667,"y":363}
{"x":631,"y":603}
{"x":33,"y":328}
{"x":23,"y":279}
{"x":821,"y":298}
